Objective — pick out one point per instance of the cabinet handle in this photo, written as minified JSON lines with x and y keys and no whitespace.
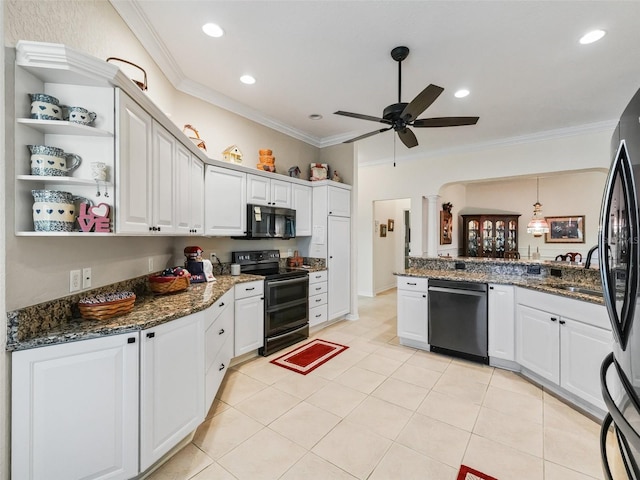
{"x":562,"y":322}
{"x":150,"y":228}
{"x":424,"y":296}
{"x":158,"y":228}
{"x":414,"y":284}
{"x":221,"y":305}
{"x":318,"y":315}
{"x":330,"y":213}
{"x":318,"y":300}
{"x":221,"y":331}
{"x":131,"y":340}
{"x":490,"y":288}
{"x":221,"y":367}
{"x":151,"y":334}
{"x":318,"y":288}
{"x":554,"y":319}
{"x":249,"y":289}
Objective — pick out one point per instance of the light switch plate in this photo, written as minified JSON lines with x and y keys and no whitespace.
{"x":86,"y":278}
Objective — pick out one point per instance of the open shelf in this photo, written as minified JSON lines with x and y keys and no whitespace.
{"x":64,"y":234}
{"x":62,"y":127}
{"x":60,"y":180}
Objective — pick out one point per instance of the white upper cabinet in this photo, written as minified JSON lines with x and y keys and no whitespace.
{"x":189,"y":198}
{"x":197,"y":196}
{"x":268,"y":191}
{"x":339,"y":202}
{"x":133,"y":164}
{"x":225,"y":202}
{"x":163,"y":174}
{"x":301,"y":202}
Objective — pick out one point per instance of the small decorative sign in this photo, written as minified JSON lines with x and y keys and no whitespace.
{"x":94,"y":218}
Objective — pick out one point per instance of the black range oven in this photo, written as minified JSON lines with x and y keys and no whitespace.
{"x":286,"y":298}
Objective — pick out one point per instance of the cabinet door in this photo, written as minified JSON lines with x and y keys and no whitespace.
{"x":538,"y":342}
{"x":339,"y":202}
{"x":133,"y":165}
{"x":339,"y":266}
{"x":249,"y":324}
{"x":75,"y":410}
{"x":162,"y":171}
{"x":171,"y":385}
{"x":197,"y":195}
{"x":258,"y":190}
{"x":280,"y":193}
{"x":583,"y":349}
{"x":225,"y":202}
{"x":413,"y":320}
{"x":501,"y":322}
{"x":301,"y":203}
{"x":183,"y":206}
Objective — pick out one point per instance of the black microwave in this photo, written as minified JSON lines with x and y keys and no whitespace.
{"x":270,"y":222}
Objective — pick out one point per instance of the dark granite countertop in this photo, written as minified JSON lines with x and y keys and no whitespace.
{"x":534,"y":282}
{"x":149,"y":311}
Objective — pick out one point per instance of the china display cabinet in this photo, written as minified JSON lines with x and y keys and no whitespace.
{"x":493,"y":236}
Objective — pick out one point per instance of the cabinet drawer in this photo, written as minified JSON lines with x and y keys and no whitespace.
{"x":249,"y":289}
{"x":316,"y":277}
{"x":213,"y":312}
{"x":215,"y":373}
{"x":216,"y":335}
{"x":317,"y":288}
{"x":317,"y":315}
{"x":317,"y":300}
{"x":417,"y":284}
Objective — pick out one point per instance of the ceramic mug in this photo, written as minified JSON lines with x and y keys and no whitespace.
{"x":55,"y":211}
{"x":52,"y":161}
{"x":45,"y":107}
{"x":99,"y":171}
{"x":79,"y":115}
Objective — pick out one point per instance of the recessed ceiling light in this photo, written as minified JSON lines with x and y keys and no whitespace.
{"x":461,"y":93}
{"x":212,"y":30}
{"x":247,"y":79}
{"x":315,"y":116}
{"x":592,"y":36}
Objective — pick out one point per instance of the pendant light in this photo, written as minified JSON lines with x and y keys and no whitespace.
{"x":538,"y":225}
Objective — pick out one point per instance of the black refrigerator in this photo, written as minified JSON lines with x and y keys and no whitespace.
{"x":618,"y":256}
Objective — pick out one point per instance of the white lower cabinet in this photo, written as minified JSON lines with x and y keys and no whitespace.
{"x":171,"y":385}
{"x":75,"y":410}
{"x":413,"y":312}
{"x":249,"y":317}
{"x":565,"y":347}
{"x":501,"y":324}
{"x":218,"y":344}
{"x":318,"y":298}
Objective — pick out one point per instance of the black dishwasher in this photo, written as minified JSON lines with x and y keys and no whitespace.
{"x":458,"y":319}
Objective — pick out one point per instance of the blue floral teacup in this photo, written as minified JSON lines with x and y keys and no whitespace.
{"x":45,"y":107}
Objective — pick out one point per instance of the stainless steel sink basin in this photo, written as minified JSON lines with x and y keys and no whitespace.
{"x":584,"y":291}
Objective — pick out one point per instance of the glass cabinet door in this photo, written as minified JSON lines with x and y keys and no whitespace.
{"x":473,"y":237}
{"x":512,"y":236}
{"x":500,"y":238}
{"x":487,"y":238}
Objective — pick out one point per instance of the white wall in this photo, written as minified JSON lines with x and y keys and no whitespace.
{"x":388,"y":252}
{"x":420,"y":178}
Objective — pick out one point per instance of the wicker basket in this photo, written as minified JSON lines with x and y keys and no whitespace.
{"x":103,"y":307}
{"x":162,"y":285}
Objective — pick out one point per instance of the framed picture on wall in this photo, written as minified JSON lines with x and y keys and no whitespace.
{"x":383,"y":230}
{"x":446,"y":227}
{"x":565,"y":229}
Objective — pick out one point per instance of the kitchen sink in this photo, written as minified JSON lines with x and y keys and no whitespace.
{"x":582,"y":290}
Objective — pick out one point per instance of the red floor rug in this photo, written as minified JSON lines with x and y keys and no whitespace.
{"x":309,"y":356}
{"x":468,"y":473}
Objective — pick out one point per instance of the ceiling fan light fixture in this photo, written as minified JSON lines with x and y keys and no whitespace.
{"x":247,"y":79}
{"x":592,"y":36}
{"x":213,"y":30}
{"x":463,"y":92}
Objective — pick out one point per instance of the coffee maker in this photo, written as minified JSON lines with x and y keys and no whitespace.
{"x":200,"y":269}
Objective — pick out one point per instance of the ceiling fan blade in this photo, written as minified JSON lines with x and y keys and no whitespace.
{"x":370,"y":134}
{"x":422,"y":101}
{"x":445,"y":122}
{"x":408,"y":137}
{"x":361,"y":117}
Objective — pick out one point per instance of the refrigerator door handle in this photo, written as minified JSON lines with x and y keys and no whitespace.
{"x":603,"y":446}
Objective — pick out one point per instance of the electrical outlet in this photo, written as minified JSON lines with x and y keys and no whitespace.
{"x":212,"y":257}
{"x":151,"y":264}
{"x":75,"y":280}
{"x":86,"y":278}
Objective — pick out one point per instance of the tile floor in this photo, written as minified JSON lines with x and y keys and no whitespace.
{"x":383,"y":411}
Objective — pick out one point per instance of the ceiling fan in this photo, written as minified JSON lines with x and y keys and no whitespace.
{"x":399,"y":116}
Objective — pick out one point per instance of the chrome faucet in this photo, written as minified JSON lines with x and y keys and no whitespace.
{"x":587,"y":262}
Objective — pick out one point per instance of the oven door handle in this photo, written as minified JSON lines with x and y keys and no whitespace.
{"x":288,"y":281}
{"x":273,"y":339}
